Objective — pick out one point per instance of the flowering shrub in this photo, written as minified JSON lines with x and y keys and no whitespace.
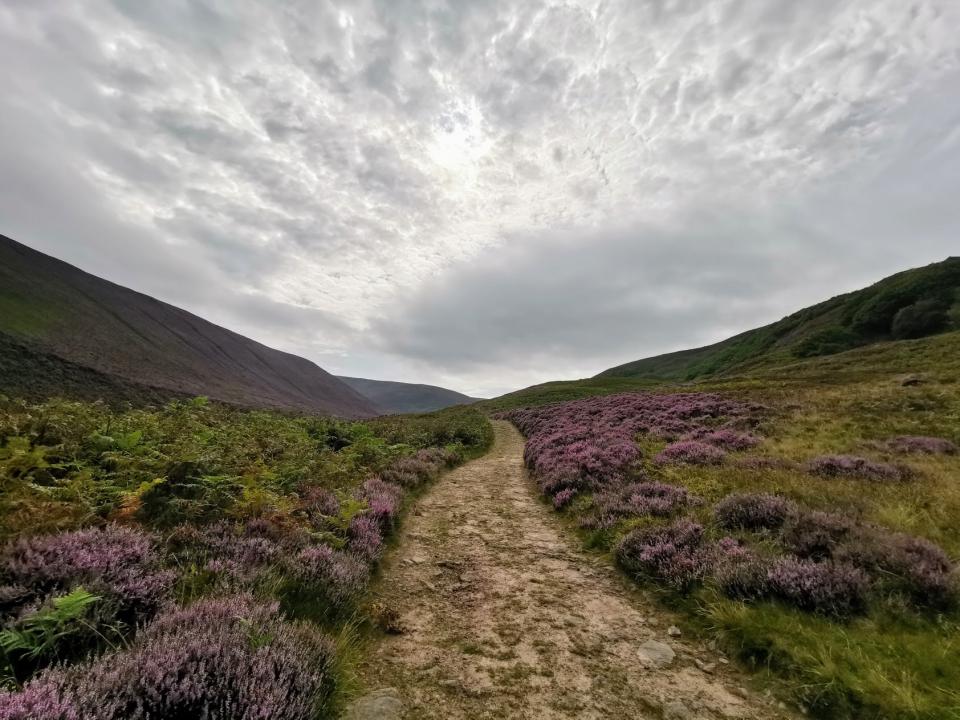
{"x":753,"y":512}
{"x":116,"y":562}
{"x":690,"y":452}
{"x":835,"y":466}
{"x":764,"y":462}
{"x":384,"y":500}
{"x":673,"y":554}
{"x":824,"y":587}
{"x":589,"y":444}
{"x":336,"y":576}
{"x":739,"y":572}
{"x":923,"y":445}
{"x":815,"y":534}
{"x":364,"y":537}
{"x":903,"y":562}
{"x":725,"y":438}
{"x":563,"y":498}
{"x":619,"y":501}
{"x":222,"y":658}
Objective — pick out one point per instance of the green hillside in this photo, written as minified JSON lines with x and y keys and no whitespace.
{"x":911,"y":304}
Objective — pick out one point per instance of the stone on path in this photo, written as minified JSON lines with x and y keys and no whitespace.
{"x":656,"y":654}
{"x":382,"y":704}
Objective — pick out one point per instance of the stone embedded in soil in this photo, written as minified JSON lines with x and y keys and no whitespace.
{"x":382,"y":704}
{"x":676,"y":710}
{"x":673,"y":631}
{"x":656,"y":654}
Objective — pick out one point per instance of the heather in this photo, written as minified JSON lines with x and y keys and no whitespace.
{"x":818,"y":543}
{"x":193,"y":560}
{"x":231,"y":657}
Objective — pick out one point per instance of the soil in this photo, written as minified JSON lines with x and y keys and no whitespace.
{"x":502,"y":615}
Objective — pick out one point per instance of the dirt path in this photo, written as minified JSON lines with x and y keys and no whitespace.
{"x":505,"y":618}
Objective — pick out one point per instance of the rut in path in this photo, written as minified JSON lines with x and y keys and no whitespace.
{"x":505,"y":618}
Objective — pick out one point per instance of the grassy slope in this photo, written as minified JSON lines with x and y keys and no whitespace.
{"x":52,"y":309}
{"x":841,"y":323}
{"x":895,"y":662}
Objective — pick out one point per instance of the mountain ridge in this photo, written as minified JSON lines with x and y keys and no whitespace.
{"x":51,"y":309}
{"x":400,"y":397}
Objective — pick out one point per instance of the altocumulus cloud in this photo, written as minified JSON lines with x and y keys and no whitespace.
{"x":482,"y":194}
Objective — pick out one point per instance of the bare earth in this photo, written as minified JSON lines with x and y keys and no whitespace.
{"x":504,"y":617}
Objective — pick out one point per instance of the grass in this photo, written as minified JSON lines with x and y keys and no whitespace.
{"x":896,"y":661}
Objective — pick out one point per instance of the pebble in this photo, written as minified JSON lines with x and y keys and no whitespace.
{"x":674,"y":631}
{"x":656,"y":654}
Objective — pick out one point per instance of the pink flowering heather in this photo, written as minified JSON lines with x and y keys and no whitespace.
{"x":840,"y":466}
{"x":650,"y":499}
{"x":384,"y":500}
{"x":589,"y":444}
{"x":690,"y":452}
{"x":364,"y":538}
{"x":724,"y":438}
{"x":564,"y":498}
{"x":901,"y":562}
{"x":227,"y":658}
{"x":824,"y":587}
{"x":922,"y":445}
{"x":753,"y":512}
{"x":765,"y":462}
{"x":674,"y":554}
{"x":815,"y":534}
{"x":117,"y":562}
{"x":337,"y":576}
{"x":739,"y":572}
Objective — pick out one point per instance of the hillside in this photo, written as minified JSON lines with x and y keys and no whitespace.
{"x":911,"y":304}
{"x":90,"y":332}
{"x":400,"y":397}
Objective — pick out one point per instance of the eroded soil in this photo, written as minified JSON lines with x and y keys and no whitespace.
{"x":504,"y":617}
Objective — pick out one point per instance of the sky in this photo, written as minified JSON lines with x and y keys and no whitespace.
{"x":483,"y":194}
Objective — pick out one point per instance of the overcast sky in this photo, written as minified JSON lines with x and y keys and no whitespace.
{"x":483,"y":194}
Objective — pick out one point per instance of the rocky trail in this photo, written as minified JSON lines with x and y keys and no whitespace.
{"x":501,"y":615}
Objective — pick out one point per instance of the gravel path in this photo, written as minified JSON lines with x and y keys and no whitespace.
{"x":504,"y":617}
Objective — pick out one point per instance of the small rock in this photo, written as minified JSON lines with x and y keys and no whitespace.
{"x":676,"y":710}
{"x":674,"y":631}
{"x":707,"y":667}
{"x":382,"y":704}
{"x":911,"y":380}
{"x":740,"y":691}
{"x":724,"y":661}
{"x":656,"y":654}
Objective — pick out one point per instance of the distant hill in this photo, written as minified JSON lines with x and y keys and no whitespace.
{"x":398,"y":397}
{"x":912,"y":304}
{"x":66,"y":332}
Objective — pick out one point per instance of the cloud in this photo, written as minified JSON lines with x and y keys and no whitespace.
{"x":350,"y":180}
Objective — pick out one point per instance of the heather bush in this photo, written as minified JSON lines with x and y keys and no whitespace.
{"x":753,"y":512}
{"x":815,"y":534}
{"x":384,"y":501}
{"x":223,"y":659}
{"x":739,"y":572}
{"x":564,"y":498}
{"x":365,"y":538}
{"x":690,"y":452}
{"x":837,"y":466}
{"x":905,"y":563}
{"x":764,"y":462}
{"x":673,"y":555}
{"x":639,"y":499}
{"x":724,"y":438}
{"x":119,"y":563}
{"x":922,"y":445}
{"x":331,"y":575}
{"x":824,"y":587}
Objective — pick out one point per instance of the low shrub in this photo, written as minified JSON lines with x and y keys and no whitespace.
{"x":725,"y":438}
{"x":335,"y":576}
{"x":116,"y":562}
{"x":564,"y":498}
{"x":754,"y":512}
{"x":739,"y":572}
{"x":837,"y":466}
{"x":673,"y":554}
{"x":638,"y":499}
{"x":922,"y":445}
{"x":824,"y":587}
{"x":815,"y":534}
{"x":690,"y":452}
{"x":365,"y":538}
{"x":223,"y":658}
